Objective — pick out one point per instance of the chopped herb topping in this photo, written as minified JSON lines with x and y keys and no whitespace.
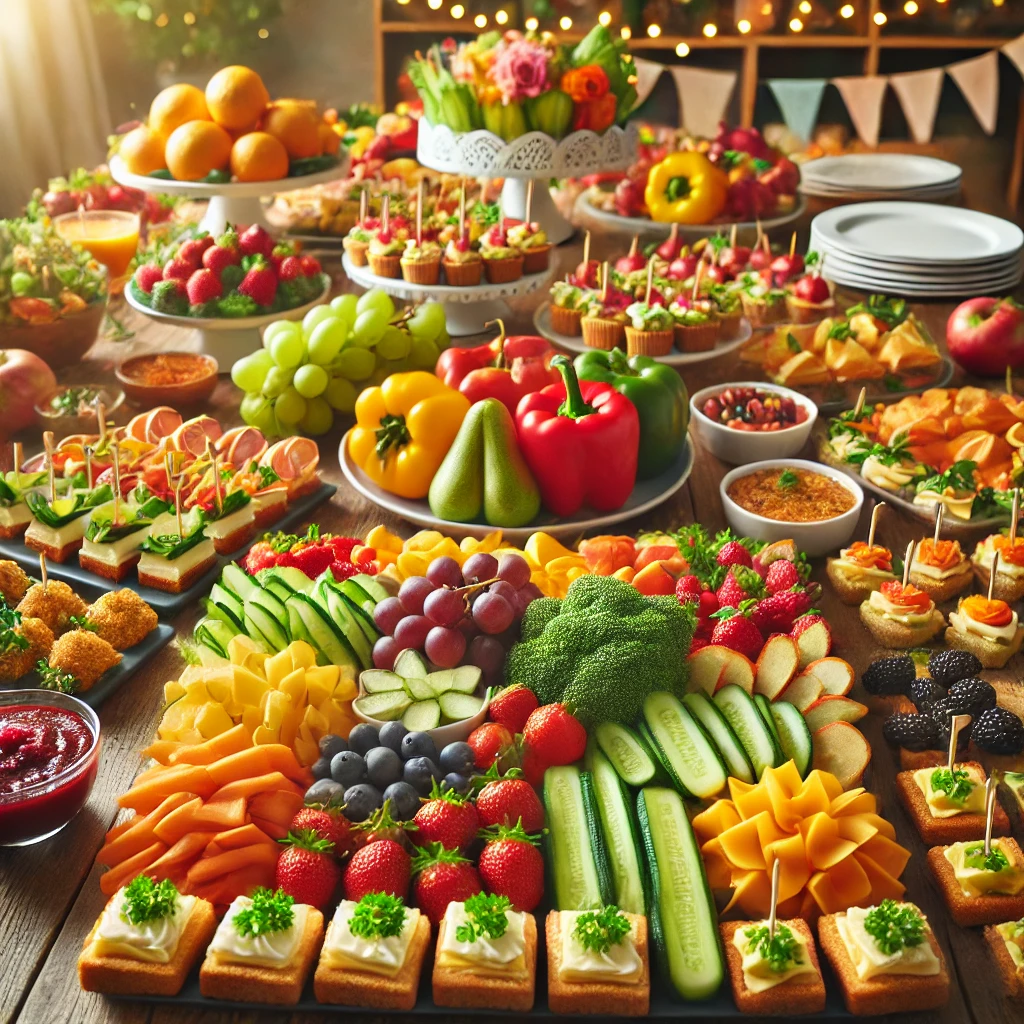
{"x":599,"y":930}
{"x":974,"y":857}
{"x":486,"y":916}
{"x":82,"y":622}
{"x":892,"y":312}
{"x":792,"y":344}
{"x":378,"y":916}
{"x":780,"y":952}
{"x":894,"y":926}
{"x":956,"y":784}
{"x":11,"y":638}
{"x":55,"y":678}
{"x":269,"y":912}
{"x":841,"y":330}
{"x":787,"y":480}
{"x":146,"y":900}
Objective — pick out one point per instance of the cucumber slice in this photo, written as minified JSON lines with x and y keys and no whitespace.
{"x":322,"y":633}
{"x":271,"y":603}
{"x":627,"y":752}
{"x":794,"y":736}
{"x":742,"y":715}
{"x":363,"y":619}
{"x":292,"y":578}
{"x":343,"y":619}
{"x":576,"y":884}
{"x":238,"y":581}
{"x":258,"y":619}
{"x":410,"y":664}
{"x":274,"y":586}
{"x":702,"y":707}
{"x":764,"y":706}
{"x":215,"y":634}
{"x":357,"y":594}
{"x":422,"y":715}
{"x":464,"y":679}
{"x":226,"y":601}
{"x":625,"y":855}
{"x":457,"y":707}
{"x":681,"y":911}
{"x":689,"y":757}
{"x":384,"y":707}
{"x":379,"y":680}
{"x":376,"y":590}
{"x":419,"y":689}
{"x":595,"y":835}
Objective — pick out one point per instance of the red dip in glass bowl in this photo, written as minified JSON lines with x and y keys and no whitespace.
{"x":49,"y":753}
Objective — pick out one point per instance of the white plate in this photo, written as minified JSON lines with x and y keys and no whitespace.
{"x":878,"y":171}
{"x":883,"y":285}
{"x":923,"y":275}
{"x":647,"y":494}
{"x":917,"y":233}
{"x":542,"y":321}
{"x":929,"y":196}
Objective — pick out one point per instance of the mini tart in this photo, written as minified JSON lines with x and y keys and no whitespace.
{"x":605,"y":332}
{"x":648,"y":343}
{"x":565,"y":318}
{"x":763,"y":311}
{"x":1009,"y":587}
{"x":696,"y":337}
{"x":900,"y":635}
{"x":424,"y":267}
{"x":730,"y":323}
{"x":1011,"y":976}
{"x":356,"y":250}
{"x":801,"y":311}
{"x":852,"y":583}
{"x":969,"y":911}
{"x":958,"y":828}
{"x":503,"y":268}
{"x":463,"y":268}
{"x":992,"y":653}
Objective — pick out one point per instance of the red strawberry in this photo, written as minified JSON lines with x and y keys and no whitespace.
{"x":776,"y":613}
{"x":380,"y":825}
{"x":512,"y":707}
{"x":731,"y":592}
{"x":203,"y":286}
{"x":533,"y":768}
{"x":708,"y":604}
{"x":488,"y":741}
{"x":447,"y":818}
{"x":229,"y":240}
{"x":178,"y":269}
{"x":206,"y":241}
{"x":310,"y":266}
{"x":147,"y":275}
{"x":734,"y":553}
{"x":781,"y":575}
{"x":554,"y":735}
{"x":378,"y":867}
{"x":697,"y":643}
{"x":330,"y":826}
{"x":506,"y":801}
{"x":735,"y":631}
{"x":254,"y":240}
{"x":260,"y":556}
{"x":289,"y":268}
{"x":511,"y":865}
{"x":312,"y":559}
{"x":442,"y":877}
{"x":191,"y":250}
{"x":804,"y":622}
{"x":216,"y":258}
{"x":689,"y":589}
{"x":260,"y":283}
{"x":307,"y":869}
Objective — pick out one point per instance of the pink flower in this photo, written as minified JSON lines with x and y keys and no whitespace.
{"x":521,"y":71}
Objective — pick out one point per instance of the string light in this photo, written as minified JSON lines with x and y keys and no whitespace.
{"x":710,"y":30}
{"x":796,"y":25}
{"x":162,"y":20}
{"x":480,"y":20}
{"x":805,"y":7}
{"x":433,"y":4}
{"x":263,"y":33}
{"x":501,"y":17}
{"x":846,"y":11}
{"x":766,"y":9}
{"x":532,"y":24}
{"x":880,"y":18}
{"x":189,"y":18}
{"x":605,"y":18}
{"x":403,"y":3}
{"x":565,"y":23}
{"x":626,"y":32}
{"x":682,"y":50}
{"x":654,"y":31}
{"x":911,"y":8}
{"x":744,"y":26}
{"x":997,"y":3}
{"x":458,"y":11}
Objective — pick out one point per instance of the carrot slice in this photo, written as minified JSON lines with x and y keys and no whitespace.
{"x":255,"y":785}
{"x":124,"y":872}
{"x":119,"y":830}
{"x":180,"y":857}
{"x":234,"y":741}
{"x":180,"y":822}
{"x":259,"y":760}
{"x":271,"y":828}
{"x":208,"y":868}
{"x":221,"y":814}
{"x":278,"y":806}
{"x":162,"y":751}
{"x":236,"y":838}
{"x":185,"y":778}
{"x":141,"y":834}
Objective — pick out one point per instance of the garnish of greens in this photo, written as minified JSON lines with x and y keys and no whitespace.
{"x":893,"y":926}
{"x":82,"y":622}
{"x":11,"y":638}
{"x":378,"y":916}
{"x":146,"y":900}
{"x":974,"y":857}
{"x":959,"y":477}
{"x":54,"y":678}
{"x":171,"y":545}
{"x":76,"y":401}
{"x":892,"y":312}
{"x":230,"y":503}
{"x":780,"y":951}
{"x":787,"y":480}
{"x":485,"y":915}
{"x":840,"y":330}
{"x":956,"y":784}
{"x":792,"y":344}
{"x":599,"y":930}
{"x":270,"y":912}
{"x":77,"y":505}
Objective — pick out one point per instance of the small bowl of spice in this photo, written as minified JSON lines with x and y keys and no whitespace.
{"x":71,"y":408}
{"x":815,"y":506}
{"x":751,"y":421}
{"x":177,"y":379}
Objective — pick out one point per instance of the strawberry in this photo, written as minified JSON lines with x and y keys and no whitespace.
{"x":533,"y":768}
{"x":206,"y":241}
{"x":488,"y":741}
{"x":330,"y":826}
{"x":260,"y":556}
{"x":147,"y":275}
{"x":735,"y":631}
{"x":260,"y":283}
{"x":781,"y":575}
{"x":178,"y":270}
{"x":734,"y":553}
{"x":442,"y":877}
{"x":378,"y":867}
{"x":381,"y":825}
{"x":708,"y":604}
{"x":191,"y":250}
{"x":776,"y":613}
{"x":512,"y":707}
{"x":508,"y":800}
{"x":805,"y":622}
{"x":307,"y":869}
{"x":511,"y":865}
{"x":698,"y":643}
{"x":689,"y":589}
{"x":203,"y":286}
{"x":731,"y":592}
{"x":289,"y":268}
{"x":310,"y":266}
{"x":312,"y":560}
{"x":229,"y":240}
{"x":448,"y":818}
{"x":254,"y":240}
{"x":216,"y":258}
{"x":554,"y":735}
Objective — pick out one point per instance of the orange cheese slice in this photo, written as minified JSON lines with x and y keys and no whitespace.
{"x":842,"y":886}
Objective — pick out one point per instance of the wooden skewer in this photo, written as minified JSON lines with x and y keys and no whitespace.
{"x":697,"y":275}
{"x":385,"y":213}
{"x":43,"y":574}
{"x":773,"y":912}
{"x":115,"y":449}
{"x":218,"y":497}
{"x":760,"y":233}
{"x":362,"y":204}
{"x":992,"y":575}
{"x":732,"y":236}
{"x":938,"y":521}
{"x":87,"y":451}
{"x":48,"y":445}
{"x":177,"y":506}
{"x":462,"y":211}
{"x":861,"y":399}
{"x":419,"y":212}
{"x":633,"y":245}
{"x":586,"y":249}
{"x":1014,"y":516}
{"x":956,"y":723}
{"x":907,"y":561}
{"x":529,"y":202}
{"x":101,"y":419}
{"x":650,"y":280}
{"x":17,"y":464}
{"x":874,"y":523}
{"x":990,"y":809}
{"x":792,"y":245}
{"x":605,"y":277}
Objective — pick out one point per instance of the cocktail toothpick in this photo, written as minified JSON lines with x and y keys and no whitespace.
{"x":956,"y":723}
{"x":215,"y":468}
{"x":732,"y":236}
{"x":101,"y":421}
{"x":990,"y":809}
{"x":605,"y":278}
{"x":586,"y":249}
{"x":792,"y":245}
{"x":385,"y":213}
{"x":87,"y":452}
{"x":633,"y":245}
{"x":760,"y":233}
{"x":992,"y":575}
{"x":48,"y":445}
{"x":650,"y":280}
{"x":529,"y":202}
{"x":773,"y":912}
{"x":363,"y":204}
{"x":698,"y":274}
{"x":874,"y":523}
{"x":1014,"y":516}
{"x":861,"y":399}
{"x":462,"y":211}
{"x":419,"y":212}
{"x":44,"y":576}
{"x":17,"y":464}
{"x":907,"y":561}
{"x":175,"y":487}
{"x":938,"y":521}
{"x":115,"y":451}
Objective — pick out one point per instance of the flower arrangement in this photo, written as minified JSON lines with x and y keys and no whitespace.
{"x":511,"y":83}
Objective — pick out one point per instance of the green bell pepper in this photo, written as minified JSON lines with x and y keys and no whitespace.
{"x":550,"y":112}
{"x":660,"y":397}
{"x":506,"y":120}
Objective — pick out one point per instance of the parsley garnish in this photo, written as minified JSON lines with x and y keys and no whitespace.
{"x":787,"y":480}
{"x":55,"y":678}
{"x":893,"y":926}
{"x":840,"y":330}
{"x":378,"y":916}
{"x":269,"y":912}
{"x":599,"y":930}
{"x":792,"y":344}
{"x":82,"y":622}
{"x":778,"y":952}
{"x":956,"y":784}
{"x":146,"y":900}
{"x":974,"y":857}
{"x":11,"y":639}
{"x":892,"y":312}
{"x":485,"y":915}
{"x":959,"y":476}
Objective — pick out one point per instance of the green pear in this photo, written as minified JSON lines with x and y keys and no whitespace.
{"x":511,"y":497}
{"x":457,"y":490}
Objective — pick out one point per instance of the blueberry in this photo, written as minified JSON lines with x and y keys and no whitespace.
{"x":383,"y":766}
{"x":362,"y":738}
{"x":420,"y":773}
{"x":405,"y":801}
{"x":325,"y":791}
{"x":418,"y":744}
{"x":331,"y":745}
{"x":458,"y":783}
{"x":361,"y":801}
{"x":392,"y":734}
{"x":348,"y":768}
{"x":457,"y":757}
{"x":321,"y":768}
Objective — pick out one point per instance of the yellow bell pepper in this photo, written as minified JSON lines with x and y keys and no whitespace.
{"x":404,"y":429}
{"x":686,"y":188}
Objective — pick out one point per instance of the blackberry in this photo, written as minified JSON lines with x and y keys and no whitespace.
{"x":942,"y":711}
{"x":889,"y":676}
{"x":924,"y":692}
{"x":971,"y":697}
{"x":999,"y":731}
{"x":947,"y":667}
{"x":914,"y":732}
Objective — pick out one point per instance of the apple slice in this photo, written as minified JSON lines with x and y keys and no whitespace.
{"x":776,"y":666}
{"x":706,"y":667}
{"x":813,"y":643}
{"x":737,"y":669}
{"x":803,"y":691}
{"x":835,"y":674}
{"x":830,"y":707}
{"x":840,"y":748}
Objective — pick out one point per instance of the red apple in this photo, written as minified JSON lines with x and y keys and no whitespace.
{"x":986,"y":335}
{"x":24,"y":380}
{"x":786,"y":266}
{"x":812,"y":289}
{"x":630,"y":262}
{"x":586,"y":274}
{"x":682,"y":267}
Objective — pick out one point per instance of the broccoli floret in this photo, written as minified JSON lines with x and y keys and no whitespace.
{"x":538,"y":614}
{"x":169,"y":297}
{"x":237,"y":306}
{"x":231,"y":277}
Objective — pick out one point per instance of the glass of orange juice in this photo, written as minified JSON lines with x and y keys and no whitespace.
{"x":111,"y":236}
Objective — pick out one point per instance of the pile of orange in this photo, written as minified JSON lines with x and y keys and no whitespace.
{"x":233,"y":125}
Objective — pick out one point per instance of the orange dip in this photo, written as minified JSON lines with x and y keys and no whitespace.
{"x":167,"y":368}
{"x":793,"y":495}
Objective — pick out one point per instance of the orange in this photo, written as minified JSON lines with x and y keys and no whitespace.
{"x":296,"y":124}
{"x":258,"y":157}
{"x":175,"y":105}
{"x":196,"y":148}
{"x":330,"y":140}
{"x":236,"y":97}
{"x":142,"y":151}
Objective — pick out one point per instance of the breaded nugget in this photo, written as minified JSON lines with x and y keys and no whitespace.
{"x":84,"y":655}
{"x":54,"y":604}
{"x":14,"y":582}
{"x":19,"y":661}
{"x":122,"y":618}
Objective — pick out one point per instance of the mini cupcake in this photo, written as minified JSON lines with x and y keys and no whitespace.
{"x":810,"y":299}
{"x":603,"y":324}
{"x":531,"y":241}
{"x":762,"y":304}
{"x":463,"y":266}
{"x":727,"y":310}
{"x":650,"y":330}
{"x":385,"y":254}
{"x":567,"y":304}
{"x":502,"y":263}
{"x":421,"y":264}
{"x":357,"y":241}
{"x":695,"y":327}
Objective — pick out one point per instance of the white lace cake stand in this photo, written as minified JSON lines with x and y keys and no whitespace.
{"x":466,"y":310}
{"x":235,"y":203}
{"x":482,"y":154}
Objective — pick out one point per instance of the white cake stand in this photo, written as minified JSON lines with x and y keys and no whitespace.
{"x":482,"y":154}
{"x":467,"y":310}
{"x":228,"y":339}
{"x":235,"y":203}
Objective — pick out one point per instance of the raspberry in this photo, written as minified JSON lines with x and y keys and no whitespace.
{"x":260,"y":556}
{"x":343,"y":570}
{"x":781,"y":575}
{"x":689,"y":589}
{"x":734,"y":553}
{"x":913,"y":732}
{"x":312,"y":560}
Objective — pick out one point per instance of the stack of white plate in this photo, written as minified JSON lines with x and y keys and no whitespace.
{"x":918,"y":249}
{"x":862,"y":176}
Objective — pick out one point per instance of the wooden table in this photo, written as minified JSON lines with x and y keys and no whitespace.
{"x":49,"y":893}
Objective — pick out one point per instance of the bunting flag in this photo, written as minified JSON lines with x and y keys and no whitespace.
{"x":1015,"y":51}
{"x":647,"y":74}
{"x":863,"y":98}
{"x":799,"y":101}
{"x":703,"y":98}
{"x":978,"y":79}
{"x":918,"y":93}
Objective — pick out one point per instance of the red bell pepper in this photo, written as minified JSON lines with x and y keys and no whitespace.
{"x":580,"y":441}
{"x":506,"y":368}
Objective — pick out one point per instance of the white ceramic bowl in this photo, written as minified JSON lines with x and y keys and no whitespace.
{"x":819,"y":538}
{"x":739,"y":447}
{"x":443,"y":734}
